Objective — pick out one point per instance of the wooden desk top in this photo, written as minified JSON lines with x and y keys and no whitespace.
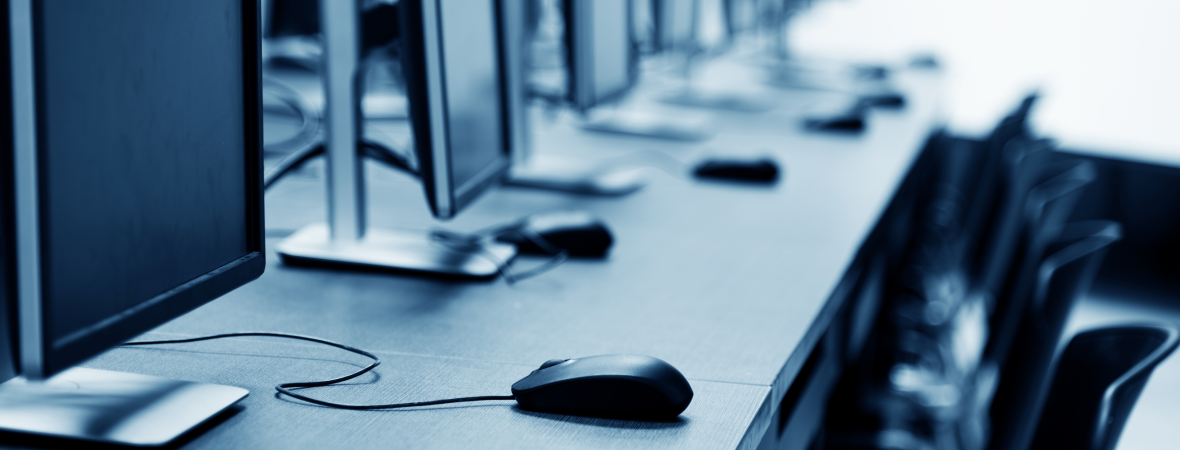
{"x":729,"y":283}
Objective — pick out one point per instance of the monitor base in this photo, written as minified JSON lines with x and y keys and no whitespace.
{"x":111,"y":407}
{"x":650,"y":125}
{"x":717,"y":100}
{"x":407,"y":250}
{"x":609,"y":182}
{"x":790,"y":75}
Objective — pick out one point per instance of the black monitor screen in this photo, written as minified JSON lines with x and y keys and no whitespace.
{"x":472,"y":88}
{"x":612,"y":46}
{"x":8,"y":338}
{"x":144,"y":142}
{"x":675,"y":24}
{"x":293,"y":18}
{"x":601,"y":50}
{"x":740,"y":15}
{"x":454,"y":80}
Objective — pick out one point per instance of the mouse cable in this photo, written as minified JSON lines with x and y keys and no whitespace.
{"x":471,"y":241}
{"x":292,"y":162}
{"x":288,"y":388}
{"x":309,"y":118}
{"x":311,"y":150}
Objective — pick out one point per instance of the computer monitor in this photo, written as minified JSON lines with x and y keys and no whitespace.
{"x":603,"y":63}
{"x":292,"y":18}
{"x":675,"y":24}
{"x":454,"y":81}
{"x":458,"y":108}
{"x":741,"y":16}
{"x":131,"y":194}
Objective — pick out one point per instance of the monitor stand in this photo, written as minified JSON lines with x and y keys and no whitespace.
{"x":728,"y":101}
{"x":561,"y":174}
{"x":647,"y":124}
{"x":345,"y":239}
{"x":111,"y":407}
{"x":405,"y":250}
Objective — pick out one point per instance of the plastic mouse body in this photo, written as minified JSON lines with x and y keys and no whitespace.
{"x":851,"y":122}
{"x":613,"y":386}
{"x":761,"y":170}
{"x":888,"y":100}
{"x":579,"y":233}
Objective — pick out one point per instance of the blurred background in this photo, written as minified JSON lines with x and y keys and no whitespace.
{"x":1107,"y":71}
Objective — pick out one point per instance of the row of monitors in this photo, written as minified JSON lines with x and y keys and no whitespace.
{"x":463,"y":96}
{"x":133,"y":147}
{"x":675,"y":18}
{"x":465,"y":84}
{"x":135,"y":192}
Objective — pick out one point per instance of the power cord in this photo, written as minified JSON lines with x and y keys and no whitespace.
{"x":288,"y":388}
{"x":311,"y":150}
{"x":473,"y":241}
{"x":309,"y":118}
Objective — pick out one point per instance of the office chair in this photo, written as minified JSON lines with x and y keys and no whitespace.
{"x":1023,"y":163}
{"x":1047,"y":208}
{"x":988,"y":176}
{"x":1099,"y":377}
{"x":1063,"y":277}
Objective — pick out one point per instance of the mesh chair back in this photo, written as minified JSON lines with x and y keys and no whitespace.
{"x":1097,"y":383}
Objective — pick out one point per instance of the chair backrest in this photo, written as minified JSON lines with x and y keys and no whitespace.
{"x":1047,"y":208}
{"x":986,"y":194}
{"x":1098,"y":380}
{"x":1024,"y":163}
{"x":1063,"y":277}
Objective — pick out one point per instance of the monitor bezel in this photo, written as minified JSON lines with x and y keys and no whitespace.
{"x":664,"y":41}
{"x":39,"y":357}
{"x":732,"y":28}
{"x":581,"y":90}
{"x":8,"y":337}
{"x":424,"y":69}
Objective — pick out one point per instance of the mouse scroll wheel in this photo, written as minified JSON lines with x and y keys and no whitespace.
{"x":551,"y":363}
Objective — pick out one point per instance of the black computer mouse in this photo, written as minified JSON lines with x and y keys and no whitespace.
{"x":760,"y":170}
{"x":577,"y":232}
{"x":891,"y":100}
{"x":852,"y":122}
{"x":613,"y":386}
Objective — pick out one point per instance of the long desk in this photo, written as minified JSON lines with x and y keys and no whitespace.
{"x":733,"y":284}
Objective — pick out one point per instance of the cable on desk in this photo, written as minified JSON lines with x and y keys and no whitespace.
{"x":472,"y":242}
{"x":366,"y":148}
{"x":391,"y":158}
{"x":288,"y":388}
{"x":309,"y":118}
{"x":292,"y":162}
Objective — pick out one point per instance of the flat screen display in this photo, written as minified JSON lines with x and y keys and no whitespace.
{"x":676,"y":23}
{"x":611,"y":47}
{"x":8,"y":363}
{"x":143,"y":153}
{"x":741,"y":15}
{"x":474,"y":103}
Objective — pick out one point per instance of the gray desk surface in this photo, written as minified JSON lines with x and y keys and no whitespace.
{"x":726,"y":282}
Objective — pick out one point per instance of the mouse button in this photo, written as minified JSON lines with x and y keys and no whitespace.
{"x":882,"y":100}
{"x":551,"y":363}
{"x":763,"y":169}
{"x":846,"y":123}
{"x":558,"y":373}
{"x":597,"y":396}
